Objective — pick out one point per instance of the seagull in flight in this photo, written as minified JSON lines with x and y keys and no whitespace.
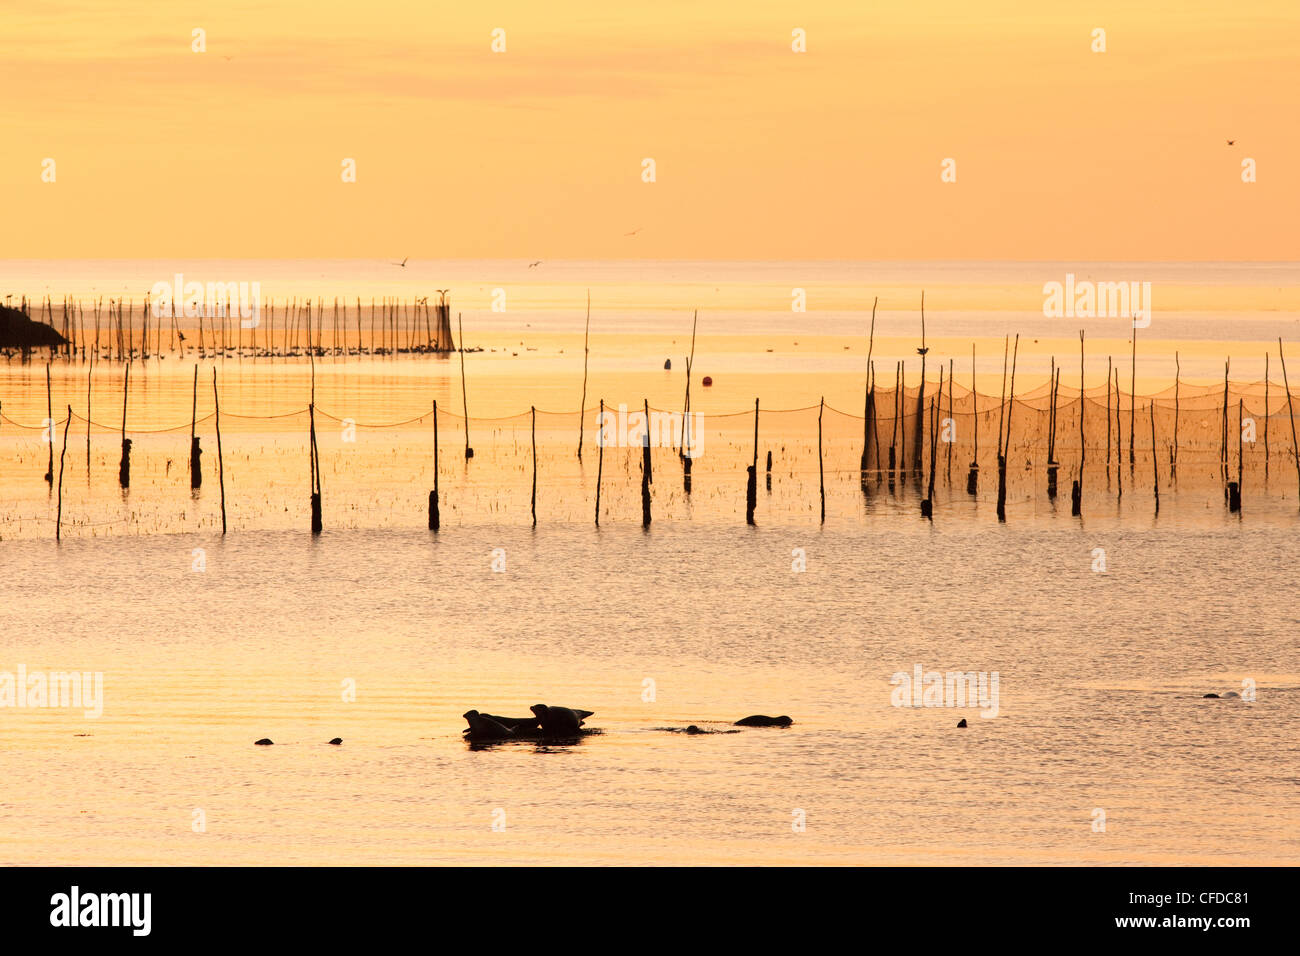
{"x":533,"y":265}
{"x":402,"y":263}
{"x":634,"y":231}
{"x":1232,"y":142}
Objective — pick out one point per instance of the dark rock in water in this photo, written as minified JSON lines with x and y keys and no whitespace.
{"x":264,"y":742}
{"x":762,"y":720}
{"x":962,"y":722}
{"x":336,"y":741}
{"x":1210,"y":696}
{"x":692,"y":729}
{"x":17,"y":331}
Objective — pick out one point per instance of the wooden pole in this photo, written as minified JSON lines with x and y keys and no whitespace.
{"x":1295,"y":447}
{"x":1119,"y":455}
{"x":124,"y":469}
{"x":972,"y":477}
{"x":196,"y":470}
{"x":951,"y":389}
{"x":221,"y":465}
{"x":58,"y":517}
{"x":868,"y":397}
{"x":1266,"y":416}
{"x":686,"y":406}
{"x":1076,"y":493}
{"x":751,"y":483}
{"x":1006,"y":446}
{"x":534,"y":433}
{"x":821,"y":474}
{"x":435,"y":518}
{"x":469,"y":452}
{"x":49,"y":411}
{"x":586,"y":350}
{"x":1223,"y":442}
{"x":1155,"y":460}
{"x":1132,"y":401}
{"x":1173,"y":454}
{"x":600,"y":456}
{"x":645,"y":470}
{"x":90,"y":376}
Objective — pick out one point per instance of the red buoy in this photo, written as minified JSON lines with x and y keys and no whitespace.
{"x":708,"y":380}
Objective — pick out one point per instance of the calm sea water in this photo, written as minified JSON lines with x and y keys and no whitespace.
{"x":1101,"y":676}
{"x":383,"y":633}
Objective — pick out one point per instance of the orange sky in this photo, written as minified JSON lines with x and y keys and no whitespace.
{"x":761,"y":153}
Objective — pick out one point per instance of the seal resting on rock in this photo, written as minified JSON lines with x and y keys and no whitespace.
{"x":560,"y":721}
{"x":762,"y":720}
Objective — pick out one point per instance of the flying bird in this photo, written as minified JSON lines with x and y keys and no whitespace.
{"x":1232,"y":142}
{"x":634,"y":231}
{"x":402,"y":263}
{"x":533,"y":265}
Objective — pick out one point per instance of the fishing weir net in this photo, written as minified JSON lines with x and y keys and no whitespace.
{"x":377,"y":473}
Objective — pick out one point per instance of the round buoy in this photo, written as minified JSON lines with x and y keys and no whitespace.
{"x":708,"y":380}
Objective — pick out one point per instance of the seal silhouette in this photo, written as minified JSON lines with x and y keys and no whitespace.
{"x":762,"y":720}
{"x":520,"y":725}
{"x":485,"y":728}
{"x":560,"y":721}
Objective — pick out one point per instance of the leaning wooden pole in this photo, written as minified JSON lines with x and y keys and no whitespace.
{"x":1132,"y":401}
{"x":221,"y":465}
{"x":469,"y":452}
{"x":1006,"y":443}
{"x":586,"y":350}
{"x":1295,"y":447}
{"x":58,"y":517}
{"x":600,"y":456}
{"x":868,"y":396}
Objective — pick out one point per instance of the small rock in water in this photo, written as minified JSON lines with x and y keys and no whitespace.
{"x":264,"y":742}
{"x":336,"y":741}
{"x":962,"y":722}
